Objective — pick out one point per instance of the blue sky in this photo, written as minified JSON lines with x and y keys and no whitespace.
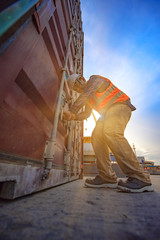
{"x":122,"y":42}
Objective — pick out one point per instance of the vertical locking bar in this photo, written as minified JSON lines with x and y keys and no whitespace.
{"x":51,"y":143}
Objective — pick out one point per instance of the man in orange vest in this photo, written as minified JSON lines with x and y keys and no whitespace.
{"x":115,"y":108}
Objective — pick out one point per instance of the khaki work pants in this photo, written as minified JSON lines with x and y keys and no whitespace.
{"x":109,"y":133}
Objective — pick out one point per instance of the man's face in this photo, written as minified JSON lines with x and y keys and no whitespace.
{"x":79,"y":86}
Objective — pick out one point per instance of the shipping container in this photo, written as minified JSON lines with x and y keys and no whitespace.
{"x":41,"y":45}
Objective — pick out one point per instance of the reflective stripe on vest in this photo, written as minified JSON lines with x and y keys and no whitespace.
{"x":104,"y":100}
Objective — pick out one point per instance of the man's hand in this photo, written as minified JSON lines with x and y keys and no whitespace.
{"x":68,"y":116}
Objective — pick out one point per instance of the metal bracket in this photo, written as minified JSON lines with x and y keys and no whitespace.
{"x":63,"y":103}
{"x":49,"y":149}
{"x":48,"y":156}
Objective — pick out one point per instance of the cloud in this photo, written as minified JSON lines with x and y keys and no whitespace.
{"x":145,"y":134}
{"x":134,"y":76}
{"x":133,"y":70}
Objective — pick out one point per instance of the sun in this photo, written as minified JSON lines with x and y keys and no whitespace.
{"x":90,"y":123}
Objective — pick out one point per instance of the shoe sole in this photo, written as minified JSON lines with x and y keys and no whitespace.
{"x":130,"y":190}
{"x":106,"y":185}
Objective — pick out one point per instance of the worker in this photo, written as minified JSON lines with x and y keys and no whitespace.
{"x":115,"y":109}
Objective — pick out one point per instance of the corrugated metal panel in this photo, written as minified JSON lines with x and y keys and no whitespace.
{"x":31,"y":63}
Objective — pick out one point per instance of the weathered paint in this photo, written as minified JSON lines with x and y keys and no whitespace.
{"x":30,"y":78}
{"x":10,"y":15}
{"x":27,"y":180}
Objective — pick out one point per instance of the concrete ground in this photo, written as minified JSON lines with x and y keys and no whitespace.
{"x":72,"y":211}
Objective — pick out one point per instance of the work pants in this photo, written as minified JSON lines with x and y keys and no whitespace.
{"x":109,"y":133}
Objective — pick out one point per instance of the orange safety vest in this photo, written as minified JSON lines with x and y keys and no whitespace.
{"x":104,"y":100}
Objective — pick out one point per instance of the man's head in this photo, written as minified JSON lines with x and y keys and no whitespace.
{"x":76,"y":82}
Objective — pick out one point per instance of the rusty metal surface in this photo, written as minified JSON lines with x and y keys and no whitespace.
{"x":22,"y":180}
{"x":29,"y":84}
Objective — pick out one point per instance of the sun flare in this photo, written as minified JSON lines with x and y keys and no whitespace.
{"x":90,"y":123}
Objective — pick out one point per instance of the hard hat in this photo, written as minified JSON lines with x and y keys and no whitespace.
{"x":71,"y":80}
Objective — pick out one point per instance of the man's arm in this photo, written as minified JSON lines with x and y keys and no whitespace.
{"x":84,"y":115}
{"x":93,"y":85}
{"x":69,"y":116}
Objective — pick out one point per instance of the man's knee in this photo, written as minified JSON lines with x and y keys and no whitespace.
{"x":93,"y":136}
{"x":96,"y":134}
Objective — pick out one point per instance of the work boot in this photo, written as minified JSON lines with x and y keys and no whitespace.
{"x":98,"y":182}
{"x":133,"y":185}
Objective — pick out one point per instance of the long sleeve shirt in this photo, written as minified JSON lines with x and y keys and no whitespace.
{"x":93,"y":84}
